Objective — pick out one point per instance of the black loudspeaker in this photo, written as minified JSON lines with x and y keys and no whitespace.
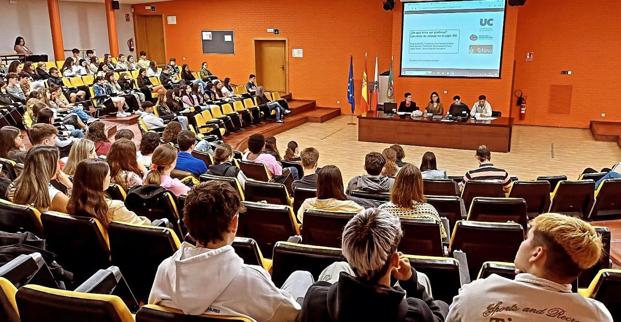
{"x":517,"y":2}
{"x":116,"y":5}
{"x":389,"y":5}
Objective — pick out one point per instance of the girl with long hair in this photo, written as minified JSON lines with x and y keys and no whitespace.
{"x":124,"y":167}
{"x":407,"y":198}
{"x":390,"y":167}
{"x":33,"y":187}
{"x":330,"y":194}
{"x":81,"y":150}
{"x":272,"y":148}
{"x":293,"y":152}
{"x":171,"y":131}
{"x":89,"y":199}
{"x":11,"y":144}
{"x":164,"y":160}
{"x":429,"y":169}
{"x":146,"y":87}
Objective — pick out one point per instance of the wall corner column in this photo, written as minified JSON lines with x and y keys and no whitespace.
{"x":56,"y":29}
{"x":113,"y":37}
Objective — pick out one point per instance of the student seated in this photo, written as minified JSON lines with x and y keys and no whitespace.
{"x":148,"y":143}
{"x":292,"y":154}
{"x":435,"y":107}
{"x":210,"y":277}
{"x":80,"y":151}
{"x":408,"y":105}
{"x":614,"y":173}
{"x":557,"y":249}
{"x":150,"y":119}
{"x":47,"y":134}
{"x":256,"y":143}
{"x":458,"y":109}
{"x":481,"y":107}
{"x":11,"y":144}
{"x":124,"y":134}
{"x":330,"y":194}
{"x":33,"y":186}
{"x":185,"y":161}
{"x":407,"y":199}
{"x":400,"y":154}
{"x":271,"y":106}
{"x":429,"y":169}
{"x":487,"y":170}
{"x":223,"y":166}
{"x":251,"y":86}
{"x":390,"y":169}
{"x":372,"y":182}
{"x":164,"y":160}
{"x":310,"y":157}
{"x":364,"y":291}
{"x":97,"y":134}
{"x":124,"y":167}
{"x":92,"y":179}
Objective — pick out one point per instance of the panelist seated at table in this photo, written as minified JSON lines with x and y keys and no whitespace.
{"x":458,"y":109}
{"x":482,"y":107}
{"x":435,"y":107}
{"x":408,"y":105}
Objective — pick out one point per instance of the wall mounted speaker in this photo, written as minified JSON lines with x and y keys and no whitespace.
{"x":116,"y":5}
{"x":389,"y":5}
{"x":517,"y":2}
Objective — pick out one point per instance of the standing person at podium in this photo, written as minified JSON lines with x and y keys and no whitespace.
{"x":482,"y":107}
{"x":435,"y":107}
{"x":408,"y":105}
{"x":458,"y":108}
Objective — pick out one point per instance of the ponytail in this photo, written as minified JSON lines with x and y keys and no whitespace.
{"x":163,"y":156}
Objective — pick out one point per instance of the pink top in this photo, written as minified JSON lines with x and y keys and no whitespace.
{"x":174,"y":185}
{"x":270,"y":162}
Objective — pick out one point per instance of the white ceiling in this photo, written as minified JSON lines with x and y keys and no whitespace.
{"x":121,"y":1}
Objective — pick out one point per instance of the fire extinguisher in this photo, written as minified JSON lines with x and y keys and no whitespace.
{"x":521,"y":102}
{"x":130,"y":44}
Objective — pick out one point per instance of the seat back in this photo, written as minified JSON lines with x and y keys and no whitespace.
{"x":146,"y":245}
{"x":8,"y":306}
{"x":607,"y":201}
{"x":227,"y":108}
{"x":294,"y":164}
{"x":156,"y":313}
{"x":440,"y":187}
{"x":450,"y":207}
{"x":421,"y":237}
{"x":248,"y":249}
{"x":232,"y":181}
{"x":267,"y":224}
{"x":76,"y":81}
{"x":324,"y":228}
{"x":443,"y":273}
{"x":8,"y":168}
{"x":215,"y":111}
{"x":248,"y":103}
{"x":302,"y":194}
{"x":536,"y":194}
{"x":88,"y":79}
{"x":256,"y":171}
{"x":238,"y":106}
{"x":270,"y":192}
{"x":15,"y":218}
{"x":476,"y":188}
{"x":154,"y":202}
{"x":205,"y":157}
{"x":381,"y":196}
{"x":553,"y":180}
{"x":485,"y":241}
{"x":606,"y":288}
{"x":499,"y":210}
{"x":290,"y":257}
{"x":116,"y":192}
{"x":80,"y":243}
{"x":604,"y":262}
{"x":573,"y":198}
{"x":504,"y":269}
{"x":593,"y":176}
{"x":21,"y":269}
{"x":37,"y":303}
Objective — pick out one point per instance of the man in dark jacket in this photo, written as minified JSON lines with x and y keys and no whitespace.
{"x":372,"y":182}
{"x":370,"y":241}
{"x":309,"y":157}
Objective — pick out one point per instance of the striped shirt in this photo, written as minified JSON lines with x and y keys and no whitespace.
{"x":487,"y":171}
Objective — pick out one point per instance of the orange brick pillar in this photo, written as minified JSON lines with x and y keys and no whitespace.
{"x":57,"y":31}
{"x":113,"y":37}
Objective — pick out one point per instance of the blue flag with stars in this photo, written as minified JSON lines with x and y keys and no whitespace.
{"x":350,"y":85}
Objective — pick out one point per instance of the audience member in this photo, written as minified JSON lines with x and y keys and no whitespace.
{"x":262,"y":100}
{"x":143,"y":61}
{"x":251,"y":86}
{"x":43,"y":134}
{"x":124,"y":168}
{"x":224,"y":166}
{"x":204,"y":72}
{"x":148,"y":143}
{"x":13,"y":88}
{"x":272,"y":148}
{"x":407,"y":199}
{"x":372,"y":182}
{"x":614,"y":173}
{"x":557,"y":249}
{"x":293,"y":152}
{"x":20,"y":47}
{"x":33,"y":186}
{"x":429,"y":168}
{"x":390,"y":168}
{"x":11,"y":144}
{"x":185,"y":161}
{"x":80,"y":151}
{"x":171,"y":131}
{"x":400,"y":154}
{"x":487,"y":170}
{"x":210,"y":277}
{"x":124,"y":134}
{"x":164,"y":160}
{"x":364,"y":291}
{"x":330,"y":194}
{"x":256,"y":143}
{"x":309,"y":157}
{"x":89,"y":199}
{"x":97,"y":134}
{"x":150,"y":119}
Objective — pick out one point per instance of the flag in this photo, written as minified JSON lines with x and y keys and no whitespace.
{"x":375,"y":87}
{"x":350,"y":86}
{"x":364,"y":101}
{"x":390,"y":91}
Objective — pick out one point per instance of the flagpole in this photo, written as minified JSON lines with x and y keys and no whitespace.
{"x":350,"y":91}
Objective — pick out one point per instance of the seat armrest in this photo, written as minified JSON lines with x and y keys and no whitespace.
{"x":297,"y":239}
{"x":464,"y":272}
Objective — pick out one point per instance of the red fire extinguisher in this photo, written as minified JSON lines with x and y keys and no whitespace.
{"x":521,"y":102}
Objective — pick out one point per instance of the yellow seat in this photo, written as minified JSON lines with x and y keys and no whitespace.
{"x":67,"y":82}
{"x":135,"y":73}
{"x":155,"y":81}
{"x":76,"y":81}
{"x":88,"y":80}
{"x":269,"y":96}
{"x":276,"y":96}
{"x":216,"y":111}
{"x":114,"y":60}
{"x":196,"y":75}
{"x":117,"y":76}
{"x":60,"y":63}
{"x":227,"y":109}
{"x":50,"y":64}
{"x":248,"y":102}
{"x":8,"y":306}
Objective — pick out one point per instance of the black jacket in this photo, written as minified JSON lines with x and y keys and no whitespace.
{"x":225,"y":169}
{"x":351,"y":300}
{"x":404,"y":108}
{"x":307,"y":182}
{"x":459,"y":109}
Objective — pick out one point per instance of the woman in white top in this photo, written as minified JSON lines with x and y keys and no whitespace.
{"x":33,"y":186}
{"x":330,"y":194}
{"x":152,"y":70}
{"x":407,"y":199}
{"x":429,"y":169}
{"x":68,"y":67}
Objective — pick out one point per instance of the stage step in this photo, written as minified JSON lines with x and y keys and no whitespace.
{"x":606,"y":131}
{"x":322,"y":114}
{"x":301,"y":106}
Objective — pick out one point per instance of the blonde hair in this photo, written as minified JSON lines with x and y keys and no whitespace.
{"x":81,"y":150}
{"x":31,"y":187}
{"x":163,"y":156}
{"x":577,"y":238}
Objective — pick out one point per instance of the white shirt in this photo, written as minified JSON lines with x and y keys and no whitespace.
{"x":486,"y":110}
{"x":152,"y":121}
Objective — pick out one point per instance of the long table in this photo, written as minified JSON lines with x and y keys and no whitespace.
{"x":389,"y":128}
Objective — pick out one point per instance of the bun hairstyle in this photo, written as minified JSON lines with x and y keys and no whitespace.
{"x":163,"y":156}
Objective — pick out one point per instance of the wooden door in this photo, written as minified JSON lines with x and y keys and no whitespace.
{"x":150,"y":37}
{"x":271,"y":64}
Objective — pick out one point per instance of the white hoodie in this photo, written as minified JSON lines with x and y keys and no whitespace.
{"x":199,"y":280}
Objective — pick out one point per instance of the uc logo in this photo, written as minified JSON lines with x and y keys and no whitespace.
{"x":487,"y":22}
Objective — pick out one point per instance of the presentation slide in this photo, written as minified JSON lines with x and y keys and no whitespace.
{"x":452,"y":38}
